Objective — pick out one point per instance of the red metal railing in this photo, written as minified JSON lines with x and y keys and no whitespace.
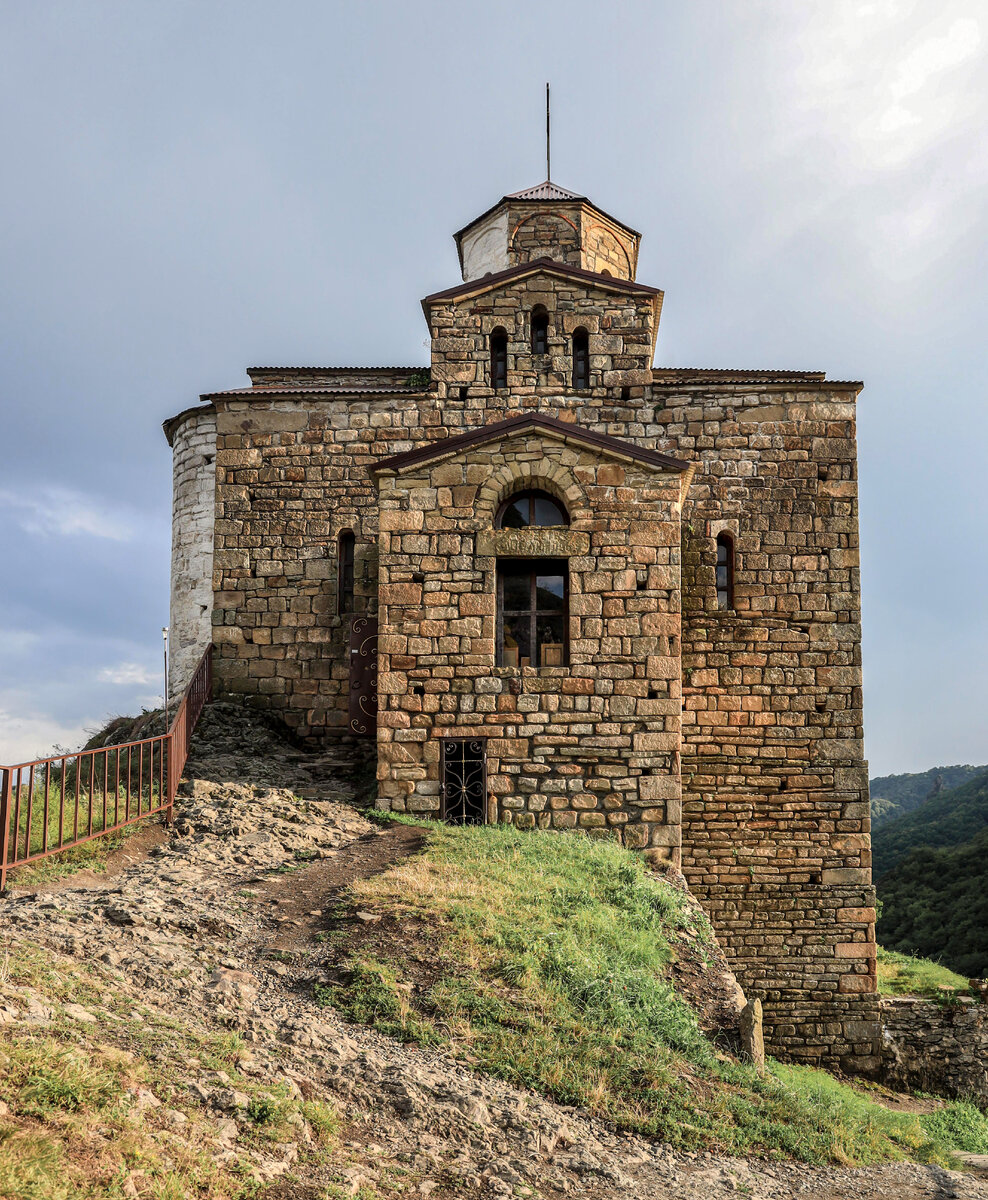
{"x":53,"y":804}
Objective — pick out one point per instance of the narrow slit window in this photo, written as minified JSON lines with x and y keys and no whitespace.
{"x":725,"y":571}
{"x":581,"y":359}
{"x":344,"y":596}
{"x":540,"y":331}
{"x":499,"y":359}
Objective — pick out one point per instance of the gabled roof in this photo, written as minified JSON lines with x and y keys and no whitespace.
{"x":499,"y":431}
{"x":546,"y":191}
{"x":551,"y":267}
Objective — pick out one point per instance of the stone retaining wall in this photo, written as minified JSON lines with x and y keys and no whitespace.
{"x":939,"y":1048}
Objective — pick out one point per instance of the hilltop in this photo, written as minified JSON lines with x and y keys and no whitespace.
{"x":895,"y":795}
{"x":289,"y":998}
{"x":947,"y":819}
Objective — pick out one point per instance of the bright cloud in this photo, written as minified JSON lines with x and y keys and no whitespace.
{"x":129,"y":673}
{"x":26,"y":735}
{"x":56,"y":511}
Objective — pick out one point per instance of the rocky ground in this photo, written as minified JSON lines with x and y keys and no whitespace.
{"x":219,"y":926}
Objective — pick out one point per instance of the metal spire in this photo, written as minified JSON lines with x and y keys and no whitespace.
{"x":548,"y":172}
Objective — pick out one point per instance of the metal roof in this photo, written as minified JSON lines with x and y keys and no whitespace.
{"x":546,"y":191}
{"x":259,"y":393}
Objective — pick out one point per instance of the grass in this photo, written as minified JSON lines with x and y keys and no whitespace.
{"x":549,"y":962}
{"x":71,"y":1129}
{"x":904,"y":975}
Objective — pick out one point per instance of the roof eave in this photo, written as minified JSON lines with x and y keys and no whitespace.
{"x":512,"y":427}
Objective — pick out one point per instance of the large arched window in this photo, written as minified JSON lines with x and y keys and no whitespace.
{"x":581,"y":359}
{"x":540,"y":330}
{"x":499,"y":358}
{"x":530,"y":508}
{"x":344,"y":572}
{"x":725,"y":571}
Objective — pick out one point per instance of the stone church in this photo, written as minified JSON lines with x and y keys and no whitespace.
{"x":566,"y":589}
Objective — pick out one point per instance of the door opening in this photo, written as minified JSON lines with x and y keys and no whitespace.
{"x":464,"y":781}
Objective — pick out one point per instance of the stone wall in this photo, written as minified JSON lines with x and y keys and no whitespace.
{"x":593,"y":744}
{"x":776,"y":827}
{"x":193,"y":442}
{"x":518,"y":231}
{"x":621,"y":325}
{"x":938,"y":1048}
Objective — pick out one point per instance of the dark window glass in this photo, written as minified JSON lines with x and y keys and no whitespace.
{"x":499,"y":359}
{"x":531,"y":609}
{"x":581,"y":359}
{"x":540,"y":331}
{"x":531,"y":508}
{"x":344,"y":595}
{"x":725,"y":571}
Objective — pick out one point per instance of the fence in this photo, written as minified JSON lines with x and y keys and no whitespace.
{"x":53,"y":804}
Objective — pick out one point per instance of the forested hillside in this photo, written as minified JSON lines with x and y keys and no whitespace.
{"x":947,"y":819}
{"x":895,"y":795}
{"x":935,"y":903}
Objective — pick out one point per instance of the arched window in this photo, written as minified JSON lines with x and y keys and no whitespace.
{"x":581,"y":359}
{"x":530,"y":508}
{"x":540,"y":330}
{"x":344,"y":576}
{"x":725,"y":570}
{"x":499,"y":358}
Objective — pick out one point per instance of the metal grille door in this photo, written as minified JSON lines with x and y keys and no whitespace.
{"x":363,"y":676}
{"x":464,"y":781}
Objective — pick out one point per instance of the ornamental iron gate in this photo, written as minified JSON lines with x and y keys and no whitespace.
{"x":363,"y":676}
{"x":464,"y":781}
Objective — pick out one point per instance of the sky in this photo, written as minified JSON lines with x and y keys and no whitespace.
{"x":195,"y":188}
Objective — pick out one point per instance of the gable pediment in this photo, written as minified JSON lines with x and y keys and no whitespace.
{"x":540,"y":266}
{"x":549,"y":427}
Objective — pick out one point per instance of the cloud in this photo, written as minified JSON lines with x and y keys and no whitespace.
{"x":26,"y":735}
{"x":129,"y":673}
{"x":51,"y":510}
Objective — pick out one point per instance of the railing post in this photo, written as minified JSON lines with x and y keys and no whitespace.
{"x":6,"y":775}
{"x":171,"y":781}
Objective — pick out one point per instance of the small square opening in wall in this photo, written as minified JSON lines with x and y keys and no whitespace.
{"x":418,"y":689}
{"x":418,"y":577}
{"x":653,"y":694}
{"x":463,"y":393}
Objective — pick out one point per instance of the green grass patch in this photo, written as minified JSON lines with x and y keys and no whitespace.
{"x":550,"y":964}
{"x":904,"y":975}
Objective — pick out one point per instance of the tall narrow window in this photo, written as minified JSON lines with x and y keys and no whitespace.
{"x":499,"y":359}
{"x":344,"y":593}
{"x":540,"y":331}
{"x":725,"y":570}
{"x":581,"y":359}
{"x":532,"y":598}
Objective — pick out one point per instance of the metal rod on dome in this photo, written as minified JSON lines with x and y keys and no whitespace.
{"x":548,"y":171}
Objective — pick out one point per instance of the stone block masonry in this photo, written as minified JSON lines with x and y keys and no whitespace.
{"x":192,"y":437}
{"x":719,"y":734}
{"x":592,"y":745}
{"x":938,"y":1048}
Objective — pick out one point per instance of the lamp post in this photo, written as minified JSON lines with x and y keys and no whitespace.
{"x":164,"y":647}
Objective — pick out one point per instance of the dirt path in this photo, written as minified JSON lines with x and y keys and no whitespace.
{"x":297,"y":904}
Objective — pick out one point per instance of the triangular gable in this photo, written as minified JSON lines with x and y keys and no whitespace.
{"x":564,"y":431}
{"x":546,"y":266}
